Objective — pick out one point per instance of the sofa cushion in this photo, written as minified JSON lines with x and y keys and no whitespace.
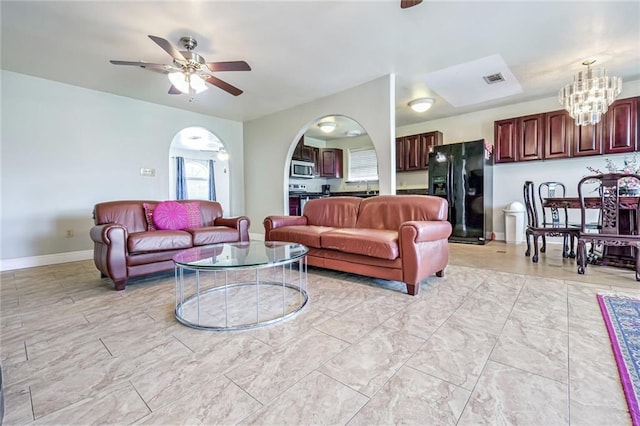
{"x":390,"y":211}
{"x":170,"y":215}
{"x":213,"y":235}
{"x":380,"y":243}
{"x":194,"y":219}
{"x":307,"y":235}
{"x":335,"y":212}
{"x":158,"y":240}
{"x":148,"y":214}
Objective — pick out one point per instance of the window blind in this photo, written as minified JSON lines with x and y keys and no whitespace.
{"x":363,"y":164}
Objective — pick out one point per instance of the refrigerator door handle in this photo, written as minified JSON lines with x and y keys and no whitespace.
{"x":450,"y":193}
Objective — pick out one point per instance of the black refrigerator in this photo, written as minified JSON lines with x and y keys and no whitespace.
{"x":463,"y":174}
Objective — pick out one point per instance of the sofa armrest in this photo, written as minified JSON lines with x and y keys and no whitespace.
{"x":421,"y":231}
{"x":109,"y":234}
{"x":424,"y":248}
{"x":273,"y":222}
{"x":110,"y":250}
{"x":241,"y":223}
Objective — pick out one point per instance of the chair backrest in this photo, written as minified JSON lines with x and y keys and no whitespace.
{"x":550,"y":190}
{"x":528,"y":193}
{"x":611,"y":188}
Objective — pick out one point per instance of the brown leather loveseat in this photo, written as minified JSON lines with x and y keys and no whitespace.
{"x":124,"y":246}
{"x":394,"y":237}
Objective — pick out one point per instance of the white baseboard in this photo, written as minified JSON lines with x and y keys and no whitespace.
{"x":257,"y":237}
{"x":53,"y":259}
{"x":47,"y":259}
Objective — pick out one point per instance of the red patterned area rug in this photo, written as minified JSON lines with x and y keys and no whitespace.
{"x":622,"y":317}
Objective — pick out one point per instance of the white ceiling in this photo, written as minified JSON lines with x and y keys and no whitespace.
{"x":303,"y":50}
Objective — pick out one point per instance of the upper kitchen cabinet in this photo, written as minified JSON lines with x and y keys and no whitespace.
{"x":331,"y":163}
{"x":305,"y":152}
{"x":520,"y":139}
{"x":529,"y":134}
{"x":505,"y":141}
{"x":587,"y":140}
{"x":412,"y":152}
{"x":530,"y":137}
{"x":558,"y":134}
{"x":427,"y":142}
{"x":621,"y":126}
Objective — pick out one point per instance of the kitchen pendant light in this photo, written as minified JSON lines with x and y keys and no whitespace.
{"x":590,"y":94}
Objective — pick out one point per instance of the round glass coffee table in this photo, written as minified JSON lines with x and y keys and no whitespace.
{"x":238,"y":286}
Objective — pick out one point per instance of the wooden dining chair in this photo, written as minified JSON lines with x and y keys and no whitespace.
{"x":555,"y":216}
{"x":611,"y":232}
{"x":536,"y":229}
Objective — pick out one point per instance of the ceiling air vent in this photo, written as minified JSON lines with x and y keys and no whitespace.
{"x":494,"y":78}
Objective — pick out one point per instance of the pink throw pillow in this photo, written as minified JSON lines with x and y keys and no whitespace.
{"x":148,"y":214}
{"x":170,"y":215}
{"x":194,"y":220}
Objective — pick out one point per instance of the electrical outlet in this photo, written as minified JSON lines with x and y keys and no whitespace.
{"x":69,"y":233}
{"x":147,"y":172}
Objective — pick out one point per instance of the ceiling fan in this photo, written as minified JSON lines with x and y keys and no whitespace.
{"x":189,"y":71}
{"x":409,"y":3}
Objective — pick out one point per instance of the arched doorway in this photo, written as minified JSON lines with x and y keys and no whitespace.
{"x":202,"y":152}
{"x":355,"y":169}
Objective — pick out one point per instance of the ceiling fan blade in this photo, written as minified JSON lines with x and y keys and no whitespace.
{"x":222,"y":84}
{"x":228,"y":66}
{"x":168,"y":47}
{"x":147,"y":65}
{"x":409,"y":3}
{"x":174,"y":91}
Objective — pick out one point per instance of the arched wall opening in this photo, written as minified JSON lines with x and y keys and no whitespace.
{"x":354,"y":171}
{"x":201,"y":150}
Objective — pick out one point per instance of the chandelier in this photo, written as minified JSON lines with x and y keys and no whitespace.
{"x":590,"y":94}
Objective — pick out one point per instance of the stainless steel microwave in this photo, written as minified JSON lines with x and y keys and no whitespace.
{"x":302,"y":169}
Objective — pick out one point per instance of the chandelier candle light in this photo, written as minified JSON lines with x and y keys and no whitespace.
{"x":590,"y":94}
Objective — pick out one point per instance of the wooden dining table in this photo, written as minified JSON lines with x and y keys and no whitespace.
{"x":611,"y":256}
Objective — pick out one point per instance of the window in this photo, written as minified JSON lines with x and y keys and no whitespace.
{"x":197,"y":174}
{"x":363,"y":164}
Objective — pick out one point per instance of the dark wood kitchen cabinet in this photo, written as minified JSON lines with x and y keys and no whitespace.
{"x":558,"y":134}
{"x":621,"y":126}
{"x":505,"y":141}
{"x":294,"y":205}
{"x":400,"y":154}
{"x":331,"y":163}
{"x":306,"y":152}
{"x":529,"y":134}
{"x":412,"y":151}
{"x":519,"y":138}
{"x":587,"y":140}
{"x":427,"y":142}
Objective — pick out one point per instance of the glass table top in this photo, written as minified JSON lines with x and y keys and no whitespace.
{"x":239,"y":255}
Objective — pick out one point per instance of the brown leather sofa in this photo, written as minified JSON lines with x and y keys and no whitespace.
{"x":393,"y":237}
{"x":125,"y":248}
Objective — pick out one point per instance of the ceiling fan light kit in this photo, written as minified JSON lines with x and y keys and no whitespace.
{"x":189,"y":71}
{"x":590,"y":94}
{"x":187,"y":83}
{"x":421,"y":104}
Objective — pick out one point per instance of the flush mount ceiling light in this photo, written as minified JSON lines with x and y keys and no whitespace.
{"x":422,"y":104}
{"x":353,"y":132}
{"x":590,"y":94}
{"x":327,"y":126}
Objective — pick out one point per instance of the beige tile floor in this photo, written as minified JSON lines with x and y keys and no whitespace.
{"x":498,"y":340}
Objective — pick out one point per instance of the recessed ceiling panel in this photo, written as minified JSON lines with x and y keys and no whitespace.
{"x":474,"y":82}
